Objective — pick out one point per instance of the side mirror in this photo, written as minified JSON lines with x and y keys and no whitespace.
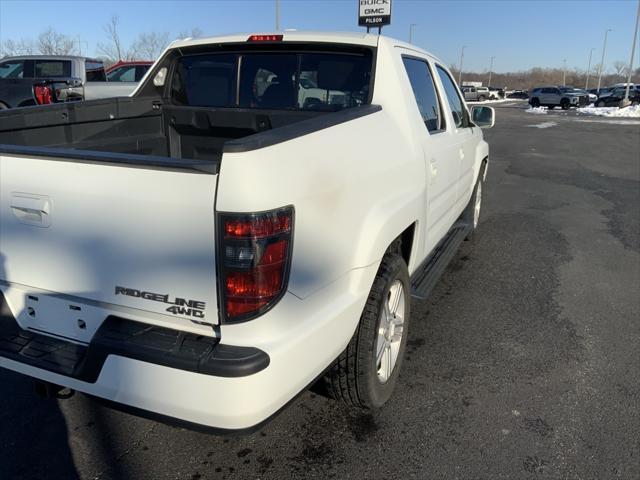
{"x":482,"y":116}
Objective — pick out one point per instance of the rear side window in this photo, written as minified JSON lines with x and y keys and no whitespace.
{"x":12,"y":69}
{"x":455,"y":102}
{"x":141,"y":70}
{"x":273,"y":80}
{"x":123,"y":74}
{"x":205,"y":81}
{"x":424,"y":92}
{"x":52,"y":68}
{"x":95,"y":72}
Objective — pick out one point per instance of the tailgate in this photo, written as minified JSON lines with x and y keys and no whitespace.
{"x":83,"y":240}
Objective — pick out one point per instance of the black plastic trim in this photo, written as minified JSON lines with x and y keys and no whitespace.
{"x":130,"y":339}
{"x":305,"y":127}
{"x":116,"y":159}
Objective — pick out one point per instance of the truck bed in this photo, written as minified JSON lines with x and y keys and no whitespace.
{"x":136,"y":126}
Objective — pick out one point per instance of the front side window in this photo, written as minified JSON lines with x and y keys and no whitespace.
{"x":273,"y":80}
{"x":53,"y":68}
{"x":424,"y":92}
{"x":455,"y":102}
{"x":12,"y":69}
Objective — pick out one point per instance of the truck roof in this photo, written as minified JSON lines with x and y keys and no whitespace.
{"x":49,"y":57}
{"x":351,"y":38}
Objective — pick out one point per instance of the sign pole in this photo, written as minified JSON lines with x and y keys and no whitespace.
{"x":633,"y":52}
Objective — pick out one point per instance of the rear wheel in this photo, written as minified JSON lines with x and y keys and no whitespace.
{"x":471,"y":214}
{"x":600,"y":103}
{"x":364,"y":375}
{"x":564,"y":104}
{"x":535,"y":102}
{"x":482,"y":98}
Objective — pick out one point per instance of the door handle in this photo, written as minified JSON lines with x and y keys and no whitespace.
{"x":31,"y":209}
{"x":434,"y":170}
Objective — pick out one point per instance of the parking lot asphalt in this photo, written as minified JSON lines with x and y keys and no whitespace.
{"x":524,"y":364}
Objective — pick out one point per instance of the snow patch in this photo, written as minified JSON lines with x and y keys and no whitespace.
{"x":502,"y":100}
{"x":544,"y":125}
{"x":632,"y":111}
{"x":537,"y":110}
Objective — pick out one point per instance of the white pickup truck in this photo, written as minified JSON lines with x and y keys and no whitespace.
{"x":206,"y":249}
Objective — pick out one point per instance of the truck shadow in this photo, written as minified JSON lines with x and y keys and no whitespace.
{"x":33,"y":432}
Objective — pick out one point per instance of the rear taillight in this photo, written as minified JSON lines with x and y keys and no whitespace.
{"x":43,"y":94}
{"x":254,"y":256}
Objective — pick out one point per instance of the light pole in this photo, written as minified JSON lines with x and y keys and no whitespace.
{"x":586,"y":85}
{"x":490,"y":71}
{"x":604,"y":49}
{"x":633,"y":52}
{"x":564,"y":72}
{"x":411,"y":31}
{"x":277,"y":15}
{"x":461,"y":60}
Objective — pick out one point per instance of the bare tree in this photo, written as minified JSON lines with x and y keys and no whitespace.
{"x":620,"y":67}
{"x":10,"y":48}
{"x":51,"y":42}
{"x":112,"y":49}
{"x":194,"y":33}
{"x":150,"y":45}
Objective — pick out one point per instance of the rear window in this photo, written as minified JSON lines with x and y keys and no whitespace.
{"x":273,"y":80}
{"x":52,"y":68}
{"x":95,"y":71}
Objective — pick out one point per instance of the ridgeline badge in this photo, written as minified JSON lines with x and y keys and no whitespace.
{"x":179,"y":306}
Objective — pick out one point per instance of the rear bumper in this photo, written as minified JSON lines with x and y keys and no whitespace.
{"x":285,"y":351}
{"x":129,"y":339}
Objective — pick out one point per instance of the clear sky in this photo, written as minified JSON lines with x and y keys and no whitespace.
{"x":520,"y":34}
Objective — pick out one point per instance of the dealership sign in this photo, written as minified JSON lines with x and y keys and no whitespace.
{"x":374,"y":13}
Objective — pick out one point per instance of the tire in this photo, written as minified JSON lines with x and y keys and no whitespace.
{"x":482,"y":98}
{"x":600,"y":104}
{"x":355,"y":377}
{"x":471,"y":213}
{"x":535,"y":102}
{"x":564,"y":104}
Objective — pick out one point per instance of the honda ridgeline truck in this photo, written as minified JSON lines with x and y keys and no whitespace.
{"x":209,"y":247}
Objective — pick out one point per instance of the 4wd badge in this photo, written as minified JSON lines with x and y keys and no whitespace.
{"x":179,"y":306}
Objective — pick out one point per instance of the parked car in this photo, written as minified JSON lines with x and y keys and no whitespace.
{"x":496,"y":93}
{"x":206,"y":249}
{"x":592,"y":97}
{"x":475,"y":94}
{"x":518,"y":94}
{"x":620,"y":91}
{"x":564,"y":97}
{"x":85,"y":78}
{"x":128,"y":71}
{"x":615,"y":99}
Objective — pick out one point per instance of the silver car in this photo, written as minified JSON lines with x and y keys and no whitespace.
{"x":563,"y":97}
